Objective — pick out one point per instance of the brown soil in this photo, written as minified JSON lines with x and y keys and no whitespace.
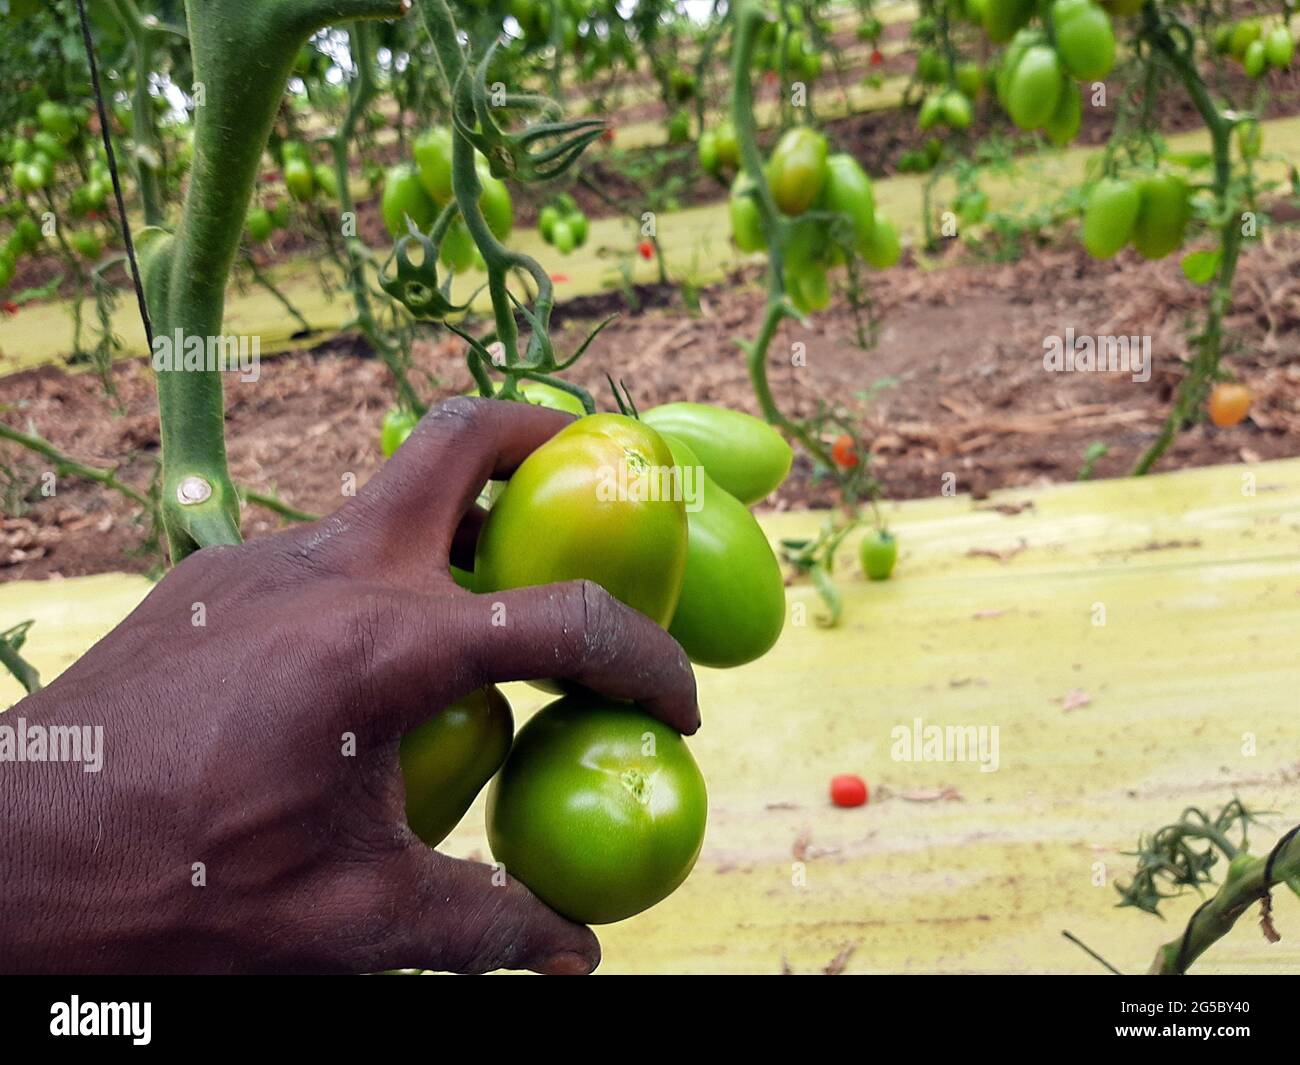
{"x":962,"y":345}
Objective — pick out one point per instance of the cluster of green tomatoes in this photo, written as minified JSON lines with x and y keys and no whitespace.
{"x":562,"y":224}
{"x":655,"y":509}
{"x":418,"y":191}
{"x":780,"y":46}
{"x":1255,"y":46}
{"x":1038,"y":79}
{"x":305,"y":182}
{"x":594,"y":32}
{"x":951,"y":102}
{"x":1150,"y":212}
{"x":830,"y":197}
{"x":52,"y":148}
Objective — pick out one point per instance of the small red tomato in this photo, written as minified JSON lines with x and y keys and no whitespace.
{"x":770,"y":76}
{"x":876,"y":57}
{"x":10,"y":307}
{"x":646,"y":249}
{"x":848,"y":789}
{"x":607,"y":135}
{"x":559,"y":279}
{"x":843,"y":452}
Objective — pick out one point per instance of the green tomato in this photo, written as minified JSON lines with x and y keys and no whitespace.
{"x":599,"y":810}
{"x":294,"y":150}
{"x":1064,"y":124}
{"x":541,"y":394}
{"x":458,"y":249}
{"x":732,"y":606}
{"x":494,"y":202}
{"x":49,"y":144}
{"x":1024,"y":40}
{"x":970,"y":79}
{"x":546,"y":219}
{"x":28,"y":233}
{"x":591,"y":504}
{"x":1162,"y":216}
{"x":299,"y":180}
{"x":797,"y":170}
{"x":1085,"y":39}
{"x":562,"y":236}
{"x":707,"y":150}
{"x":931,"y":112}
{"x":808,"y":286}
{"x":1002,"y":18}
{"x":848,"y":191}
{"x":883,"y":249}
{"x":396,"y":427}
{"x":55,"y":118}
{"x":679,"y":127}
{"x":86,"y":244}
{"x":955,"y":110}
{"x":325,"y":180}
{"x":35,"y":174}
{"x":744,"y":455}
{"x":878,"y":551}
{"x":89,"y":197}
{"x":449,"y":759}
{"x":728,"y":147}
{"x":1034,"y":88}
{"x":1279,"y":48}
{"x":1244,"y":34}
{"x":432,"y":152}
{"x":1109,"y":216}
{"x":404,"y":197}
{"x":259,"y":223}
{"x":578,"y":226}
{"x":1255,"y":61}
{"x":930,"y":67}
{"x":746,"y":220}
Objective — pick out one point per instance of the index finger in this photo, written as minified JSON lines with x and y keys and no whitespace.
{"x":402,"y":523}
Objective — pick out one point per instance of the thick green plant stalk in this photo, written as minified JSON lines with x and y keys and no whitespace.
{"x":243,"y":52}
{"x":1216,"y":916}
{"x":749,"y":16}
{"x":1174,"y":41}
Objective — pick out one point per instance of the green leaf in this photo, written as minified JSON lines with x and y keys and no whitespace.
{"x":1199,"y":267}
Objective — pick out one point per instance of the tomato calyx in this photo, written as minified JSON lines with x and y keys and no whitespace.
{"x":638,"y":785}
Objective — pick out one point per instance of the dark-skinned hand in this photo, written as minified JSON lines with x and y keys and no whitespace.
{"x":224,"y":743}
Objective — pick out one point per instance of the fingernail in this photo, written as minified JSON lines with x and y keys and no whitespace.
{"x":566,"y":964}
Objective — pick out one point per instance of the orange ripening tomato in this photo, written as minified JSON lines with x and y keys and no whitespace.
{"x":1229,"y":404}
{"x":843,"y":452}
